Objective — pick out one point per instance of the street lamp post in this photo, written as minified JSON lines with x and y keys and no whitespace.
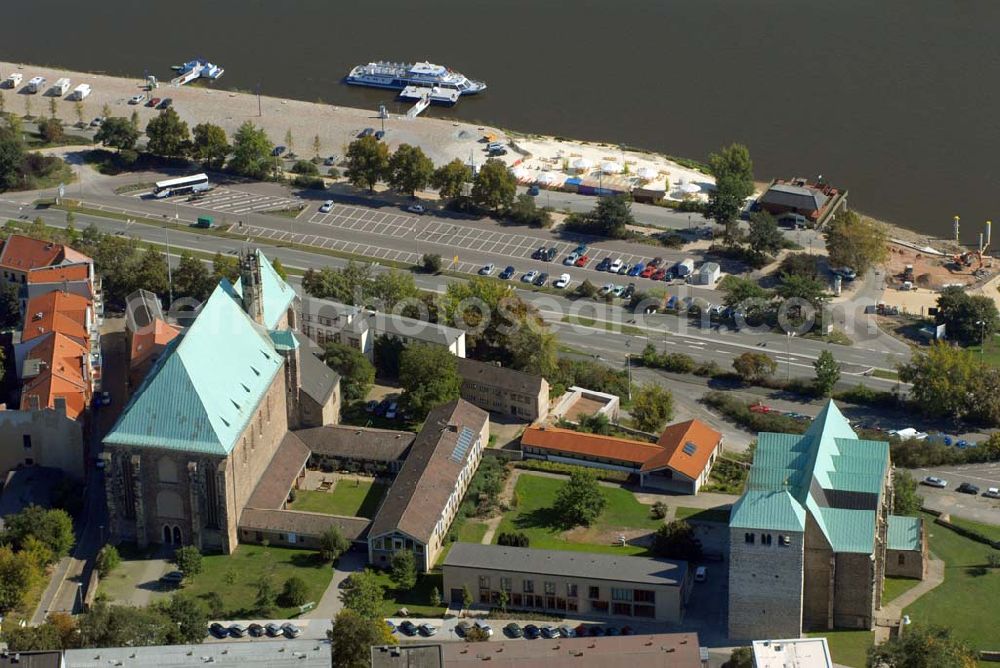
{"x":982,"y":337}
{"x":788,"y":356}
{"x":628,"y":366}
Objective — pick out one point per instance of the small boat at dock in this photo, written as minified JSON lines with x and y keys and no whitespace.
{"x":198,"y":68}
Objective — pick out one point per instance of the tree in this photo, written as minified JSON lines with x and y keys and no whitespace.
{"x":429,"y":377}
{"x":367,"y":162}
{"x":740,"y":657}
{"x":51,"y":130}
{"x":356,"y":373}
{"x":294,"y":591}
{"x":134,"y":119}
{"x":78,"y":111}
{"x":611,"y":216}
{"x":151,"y":272}
{"x":431,"y":263}
{"x":188,"y":560}
{"x":18,"y":573}
{"x":409,"y":169}
{"x":10,"y":305}
{"x":793,"y":286}
{"x":597,"y":423}
{"x":533,"y":348}
{"x":579,"y":500}
{"x":251,"y":154}
{"x":652,"y":408}
{"x":745,"y":296}
{"x":922,"y":646}
{"x":106,"y":625}
{"x":754,"y":367}
{"x":210,"y":145}
{"x":187,"y":619}
{"x":105,"y":110}
{"x":52,"y":527}
{"x":435,"y":598}
{"x":827,"y":373}
{"x":168,"y":134}
{"x":905,"y":500}
{"x":266,"y":598}
{"x":279,"y":269}
{"x":290,"y":141}
{"x":494,"y":186}
{"x":28,"y":114}
{"x":118,"y":133}
{"x":466,"y":597}
{"x":677,"y":540}
{"x":317,"y":146}
{"x":943,"y":380}
{"x":364,"y":595}
{"x":503,"y":600}
{"x":11,"y":158}
{"x":489,"y":312}
{"x":225,"y":266}
{"x":52,"y":107}
{"x":764,"y":237}
{"x":216,"y":606}
{"x":108,"y":560}
{"x":352,"y":637}
{"x":388,"y":351}
{"x":856,"y":242}
{"x":332,"y":544}
{"x":403,"y":570}
{"x":449,"y":179}
{"x":58,"y":632}
{"x":968,"y":319}
{"x":733,"y":172}
{"x":191,"y":278}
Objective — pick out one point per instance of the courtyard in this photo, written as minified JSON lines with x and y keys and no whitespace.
{"x":333,"y":494}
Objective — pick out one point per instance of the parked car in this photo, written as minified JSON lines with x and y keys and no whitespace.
{"x":487,"y":270}
{"x":390,"y":626}
{"x":542,"y":279}
{"x":757,"y":407}
{"x":291,"y":630}
{"x":97,"y":122}
{"x":597,"y":630}
{"x":272,"y":630}
{"x":571,"y":259}
{"x":567,"y":631}
{"x":618,"y":290}
{"x":656,"y":261}
{"x":507,"y":273}
{"x":582,"y":249}
{"x":390,"y":412}
{"x":166,"y":103}
{"x":218,"y":630}
{"x":137,"y":99}
{"x":408,"y":628}
{"x":172,"y":578}
{"x":330,"y":161}
{"x":934,"y":481}
{"x":550,"y":254}
{"x":462,"y":628}
{"x":102,"y":399}
{"x":255,"y":630}
{"x":612,"y":631}
{"x":625,"y":269}
{"x":992,"y":493}
{"x":382,"y":407}
{"x":967,"y":488}
{"x":326,"y":207}
{"x":367,"y":132}
{"x":238,"y":631}
{"x":539,"y":253}
{"x":636,"y":269}
{"x":606,"y":289}
{"x":659,"y":274}
{"x":550,"y":632}
{"x":530,"y":276}
{"x":415,"y":208}
{"x":604,"y":265}
{"x":484,"y":627}
{"x":627,"y":630}
{"x":513,"y":630}
{"x":533,"y":191}
{"x":582,"y":261}
{"x":427,"y":629}
{"x":379,"y":134}
{"x":647,"y":271}
{"x":616,"y":265}
{"x":278,"y":150}
{"x":582,"y":630}
{"x":371,"y":406}
{"x":629,"y":291}
{"x":531,"y":632}
{"x":153,"y":101}
{"x":700,"y":574}
{"x":563,"y":281}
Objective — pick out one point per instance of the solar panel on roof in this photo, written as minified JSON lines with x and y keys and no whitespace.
{"x":689,"y":448}
{"x":465,"y":438}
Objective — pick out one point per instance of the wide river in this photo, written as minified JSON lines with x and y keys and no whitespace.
{"x":896,"y":100}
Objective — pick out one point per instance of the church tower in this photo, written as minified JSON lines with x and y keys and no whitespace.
{"x":253,"y":293}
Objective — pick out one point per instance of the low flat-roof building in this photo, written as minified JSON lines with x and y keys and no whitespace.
{"x":792,"y":653}
{"x":419,"y":507}
{"x":580,"y":402}
{"x":679,"y":462}
{"x":655,"y":650}
{"x":506,"y":391}
{"x":571,"y":583}
{"x":272,"y":654}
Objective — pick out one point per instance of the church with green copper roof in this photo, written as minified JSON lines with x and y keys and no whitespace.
{"x":812,"y":538}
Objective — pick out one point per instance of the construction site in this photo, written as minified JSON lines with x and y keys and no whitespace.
{"x":911,"y":267}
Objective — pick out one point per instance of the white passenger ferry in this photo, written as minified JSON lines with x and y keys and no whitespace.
{"x":398,"y":76}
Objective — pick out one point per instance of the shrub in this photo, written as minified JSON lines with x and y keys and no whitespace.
{"x":216,"y":606}
{"x":305,"y":167}
{"x":659,"y":510}
{"x":309,"y":182}
{"x":294,"y":592}
{"x":333,"y":173}
{"x":108,"y":560}
{"x":431,"y":263}
{"x":513,"y":539}
{"x":188,"y":560}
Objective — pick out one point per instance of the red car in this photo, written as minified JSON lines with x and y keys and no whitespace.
{"x":659,"y":274}
{"x":153,"y":102}
{"x":648,"y":271}
{"x":761,"y":408}
{"x":582,"y":260}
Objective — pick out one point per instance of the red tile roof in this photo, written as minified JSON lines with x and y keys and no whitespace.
{"x":23,"y":253}
{"x":62,"y":376}
{"x":687,"y":447}
{"x":67,"y":272}
{"x":150,"y":341}
{"x":592,"y":445}
{"x":56,"y":311}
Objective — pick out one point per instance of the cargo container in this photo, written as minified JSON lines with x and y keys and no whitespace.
{"x":685,"y":267}
{"x":61,"y":86}
{"x":81,"y":92}
{"x":36,"y":85}
{"x":205,"y":222}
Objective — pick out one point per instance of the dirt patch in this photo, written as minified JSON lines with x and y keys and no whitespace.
{"x":934,"y":272}
{"x":606,"y":536}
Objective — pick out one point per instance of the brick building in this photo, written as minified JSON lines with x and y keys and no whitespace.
{"x":211,"y":418}
{"x":507,"y":391}
{"x":809,"y":536}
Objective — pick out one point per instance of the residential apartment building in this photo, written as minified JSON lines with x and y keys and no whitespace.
{"x":506,"y":391}
{"x":324,"y":320}
{"x":576,"y":584}
{"x":809,"y":537}
{"x":422,"y":502}
{"x":20,"y":255}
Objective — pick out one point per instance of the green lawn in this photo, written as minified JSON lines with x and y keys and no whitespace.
{"x":849,"y":648}
{"x":235,"y":576}
{"x":991,"y":531}
{"x":991,"y":352}
{"x":534,"y":516}
{"x":352,"y":498}
{"x":469,"y":531}
{"x":720,"y":515}
{"x":417,"y":600}
{"x":894,"y":587}
{"x":962,"y":601}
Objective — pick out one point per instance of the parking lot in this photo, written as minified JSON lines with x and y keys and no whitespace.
{"x":948,"y":500}
{"x":230,"y":200}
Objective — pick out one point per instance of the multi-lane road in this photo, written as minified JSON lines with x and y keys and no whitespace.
{"x":385,"y":232}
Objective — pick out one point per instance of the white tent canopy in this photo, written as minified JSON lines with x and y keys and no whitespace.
{"x":611,"y":167}
{"x":547,"y":178}
{"x":583,"y":163}
{"x":689,"y":188}
{"x":646,"y":173}
{"x":520,"y":172}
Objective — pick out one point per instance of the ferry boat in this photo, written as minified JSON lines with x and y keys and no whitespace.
{"x":194,"y":69}
{"x":399,"y":76}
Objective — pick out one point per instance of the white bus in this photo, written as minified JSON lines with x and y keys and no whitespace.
{"x":181,"y":186}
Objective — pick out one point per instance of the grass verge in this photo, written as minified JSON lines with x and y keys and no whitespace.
{"x":720,"y":515}
{"x":350,"y":497}
{"x":849,"y":648}
{"x":895,"y":587}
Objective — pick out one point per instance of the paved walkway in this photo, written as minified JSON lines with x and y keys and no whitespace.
{"x":330,"y":604}
{"x":894,"y":609}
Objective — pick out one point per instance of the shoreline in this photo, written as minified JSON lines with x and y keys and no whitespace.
{"x":336,"y":126}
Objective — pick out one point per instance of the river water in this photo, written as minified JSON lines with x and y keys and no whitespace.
{"x":894,"y":99}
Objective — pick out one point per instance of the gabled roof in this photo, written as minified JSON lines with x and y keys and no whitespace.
{"x":277,"y":295}
{"x":474,"y":371}
{"x":66,"y":272}
{"x":151,"y":340}
{"x":593,"y":445}
{"x":905,"y":533}
{"x":206,"y":386}
{"x":56,"y":311}
{"x":797,"y":197}
{"x":22,"y":253}
{"x":828,"y":472}
{"x":417,"y":498}
{"x":367,"y":443}
{"x":687,"y":447}
{"x":317,"y":380}
{"x":63,"y":375}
